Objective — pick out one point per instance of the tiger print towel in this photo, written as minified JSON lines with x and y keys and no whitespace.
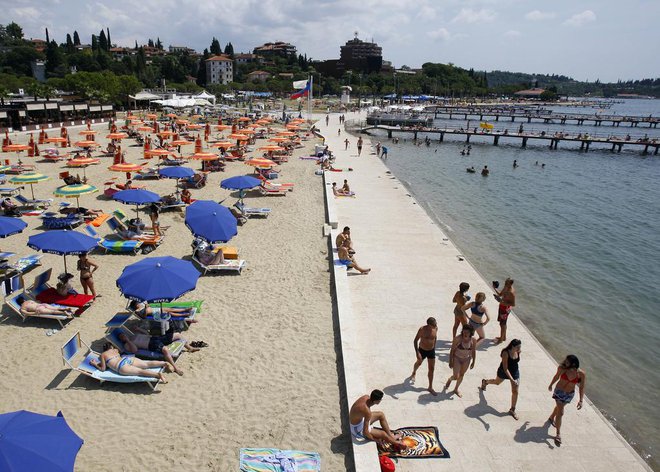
{"x":422,"y":441}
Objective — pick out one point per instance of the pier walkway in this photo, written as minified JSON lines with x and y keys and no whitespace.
{"x":415,"y":272}
{"x":614,"y":143}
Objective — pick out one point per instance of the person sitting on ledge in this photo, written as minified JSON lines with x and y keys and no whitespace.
{"x":361,"y":418}
{"x":346,"y":259}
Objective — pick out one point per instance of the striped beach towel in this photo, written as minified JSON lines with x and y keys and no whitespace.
{"x":276,"y":460}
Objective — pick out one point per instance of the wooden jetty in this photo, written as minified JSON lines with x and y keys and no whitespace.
{"x":553,"y":140}
{"x":497,"y":113}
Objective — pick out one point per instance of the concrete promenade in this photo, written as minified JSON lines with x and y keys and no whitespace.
{"x":415,"y":272}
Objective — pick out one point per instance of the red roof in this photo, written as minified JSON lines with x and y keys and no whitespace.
{"x":221,"y":58}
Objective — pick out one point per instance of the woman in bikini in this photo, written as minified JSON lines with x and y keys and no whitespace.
{"x":478,"y":315}
{"x":129,"y":365}
{"x":568,"y":376}
{"x":508,"y":370}
{"x":87,"y":268}
{"x":461,"y":297}
{"x":32,"y":308}
{"x":463,"y":349}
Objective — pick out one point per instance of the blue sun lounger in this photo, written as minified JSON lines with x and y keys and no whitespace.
{"x":114,"y":245}
{"x":77,"y":355}
{"x":11,"y":301}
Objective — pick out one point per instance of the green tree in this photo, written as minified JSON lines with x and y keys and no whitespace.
{"x":159,"y":45}
{"x":103,"y":42}
{"x":107,"y":37}
{"x":54,"y":58}
{"x":4,"y":93}
{"x":14,"y":31}
{"x":215,"y":47}
{"x":229,"y":50}
{"x":70,"y":48}
{"x":95,"y":43}
{"x":76,"y":39}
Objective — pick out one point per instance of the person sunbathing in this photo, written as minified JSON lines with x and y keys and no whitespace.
{"x":186,"y":196}
{"x":32,"y":308}
{"x":346,"y":259}
{"x":142,"y":340}
{"x":129,"y":365}
{"x":81,"y":211}
{"x":143,"y":310}
{"x":208,"y":255}
{"x":64,"y":286}
{"x":10,"y":208}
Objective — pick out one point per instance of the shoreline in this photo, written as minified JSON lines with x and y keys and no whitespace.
{"x":337,"y":147}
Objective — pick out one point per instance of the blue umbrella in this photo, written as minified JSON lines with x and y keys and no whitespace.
{"x":30,"y":441}
{"x":211,"y":221}
{"x":63,"y":243}
{"x":177,"y":173}
{"x":136,"y":196}
{"x":241,"y":183}
{"x":158,"y":279}
{"x":9,"y":226}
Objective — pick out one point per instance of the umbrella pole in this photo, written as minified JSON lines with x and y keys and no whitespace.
{"x":65,"y":271}
{"x":77,"y":203}
{"x":32,"y":190}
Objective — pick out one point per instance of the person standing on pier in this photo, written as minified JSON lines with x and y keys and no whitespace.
{"x":424,"y":343}
{"x":569,"y":376}
{"x":479,"y":315}
{"x":508,"y":370}
{"x":463,"y":350}
{"x":384,"y":153}
{"x":359,"y":145}
{"x":346,"y":144}
{"x":507,"y":299}
{"x":461,"y":297}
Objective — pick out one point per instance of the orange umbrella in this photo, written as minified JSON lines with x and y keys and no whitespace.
{"x":260,"y":162}
{"x":86,"y":144}
{"x":279,"y":139}
{"x":87,"y":132}
{"x":117,"y":136}
{"x":222,"y":144}
{"x":262,"y":122}
{"x":292,"y":127}
{"x":271,"y":148}
{"x":244,"y":118}
{"x":286,"y":133}
{"x":146,"y":128}
{"x":153,"y":116}
{"x":82,"y":161}
{"x":195,"y":126}
{"x":165,"y":134}
{"x":181,"y":142}
{"x":125,"y":167}
{"x":182,"y":122}
{"x":204,"y":156}
{"x":247,"y":131}
{"x":171,"y":115}
{"x":55,"y":139}
{"x":222,"y":127}
{"x":158,"y":152}
{"x":239,"y":137}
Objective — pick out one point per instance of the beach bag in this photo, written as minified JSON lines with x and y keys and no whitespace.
{"x":386,"y":464}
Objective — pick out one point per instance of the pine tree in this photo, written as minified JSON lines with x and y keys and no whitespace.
{"x":76,"y":39}
{"x":215,"y":47}
{"x":108,"y":38}
{"x":229,"y":50}
{"x":103,"y":42}
{"x":150,"y":43}
{"x":136,"y":46}
{"x":159,"y":45}
{"x":70,"y":48}
{"x":95,"y":43}
{"x":47,"y":37}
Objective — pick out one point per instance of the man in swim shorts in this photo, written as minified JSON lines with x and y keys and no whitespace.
{"x":135,"y":342}
{"x":425,"y":349}
{"x":361,"y":418}
{"x":507,"y":299}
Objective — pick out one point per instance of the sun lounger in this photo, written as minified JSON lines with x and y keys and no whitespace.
{"x":77,"y":355}
{"x":170,"y":205}
{"x":119,"y":229}
{"x":232,"y":265}
{"x":24,"y":264}
{"x":250,"y":211}
{"x":269,"y":190}
{"x":8,"y":191}
{"x":99,"y":220}
{"x":19,"y":168}
{"x":35,"y":203}
{"x":175,"y":348}
{"x":12,"y":302}
{"x":43,"y":292}
{"x":114,"y":245}
{"x":61,"y":222}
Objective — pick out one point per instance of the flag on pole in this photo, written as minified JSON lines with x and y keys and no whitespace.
{"x":303,"y":87}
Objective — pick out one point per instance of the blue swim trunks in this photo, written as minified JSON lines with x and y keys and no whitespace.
{"x":563,"y":397}
{"x":344,"y":262}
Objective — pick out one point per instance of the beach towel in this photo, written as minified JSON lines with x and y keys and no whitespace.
{"x":32,"y":213}
{"x":422,"y":441}
{"x":77,"y":300}
{"x":99,"y":220}
{"x":276,"y":460}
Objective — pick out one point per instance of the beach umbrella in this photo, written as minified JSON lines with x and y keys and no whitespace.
{"x":166,"y":134}
{"x":181,"y":142}
{"x":75,"y":191}
{"x":182,"y":122}
{"x":177,"y":173}
{"x":271,"y":148}
{"x":204,"y":156}
{"x":279,"y":139}
{"x":17,"y":148}
{"x":36,"y":442}
{"x":195,"y":126}
{"x":286,"y":133}
{"x":55,"y":139}
{"x":82,"y":162}
{"x":146,"y":129}
{"x":62,"y":242}
{"x":118,"y":136}
{"x":244,"y":119}
{"x":87,"y":132}
{"x":171,"y":115}
{"x":222,"y":144}
{"x":136,"y":197}
{"x":158,"y":279}
{"x":152,"y":116}
{"x":240,"y":183}
{"x":222,"y":127}
{"x":260,"y":162}
{"x":211,"y":221}
{"x":31,"y":179}
{"x":86,"y":144}
{"x":125,"y":167}
{"x":10,"y":226}
{"x":238,"y":137}
{"x":158,"y":152}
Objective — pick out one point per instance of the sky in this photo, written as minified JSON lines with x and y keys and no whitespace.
{"x":587,"y":40}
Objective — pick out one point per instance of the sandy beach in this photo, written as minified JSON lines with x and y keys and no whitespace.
{"x":269,"y":377}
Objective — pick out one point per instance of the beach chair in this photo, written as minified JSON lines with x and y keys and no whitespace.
{"x":251,"y":211}
{"x":77,"y":355}
{"x":33,"y":203}
{"x":175,"y":348}
{"x":118,"y":246}
{"x":230,"y":265}
{"x":150,"y":173}
{"x":168,"y":161}
{"x":119,"y":229}
{"x":43,"y":292}
{"x":267,"y":190}
{"x":9,"y":191}
{"x":61,"y":222}
{"x":24,"y":264}
{"x":196,"y":181}
{"x":12,"y":302}
{"x":194,"y":306}
{"x":168,"y":204}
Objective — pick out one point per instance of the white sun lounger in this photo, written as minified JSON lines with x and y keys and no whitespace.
{"x":232,"y":265}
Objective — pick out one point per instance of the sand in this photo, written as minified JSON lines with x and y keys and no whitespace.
{"x":270,"y":375}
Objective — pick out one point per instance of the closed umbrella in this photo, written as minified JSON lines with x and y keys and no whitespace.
{"x":10,"y":226}
{"x":211,"y":221}
{"x":30,"y":179}
{"x":137,"y":197}
{"x":63,"y":243}
{"x":158,"y":279}
{"x":35,"y":442}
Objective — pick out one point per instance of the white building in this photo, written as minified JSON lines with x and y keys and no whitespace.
{"x":219,"y":70}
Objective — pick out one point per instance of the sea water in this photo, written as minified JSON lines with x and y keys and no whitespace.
{"x":581,"y":238}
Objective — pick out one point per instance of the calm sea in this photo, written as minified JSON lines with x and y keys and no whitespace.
{"x":581,"y":238}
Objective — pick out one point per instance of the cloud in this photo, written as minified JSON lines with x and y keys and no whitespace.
{"x":512,"y":34}
{"x":468,"y":15}
{"x":537,"y":15}
{"x":580,"y":19}
{"x":440,"y":34}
